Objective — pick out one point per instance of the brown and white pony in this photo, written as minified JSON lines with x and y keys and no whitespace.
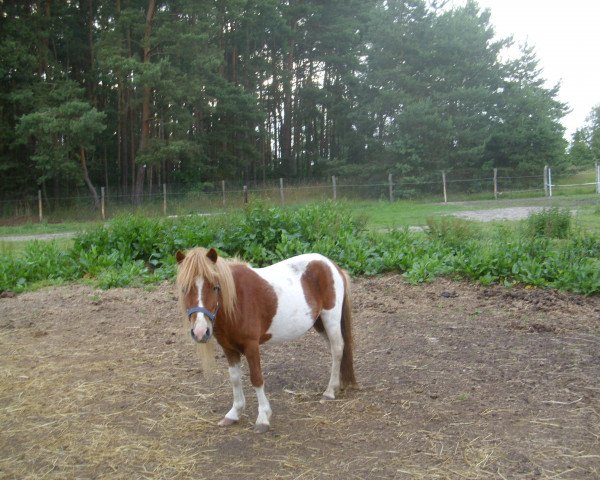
{"x":244,"y":307}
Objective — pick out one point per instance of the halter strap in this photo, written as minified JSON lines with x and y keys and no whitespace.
{"x":211,"y":315}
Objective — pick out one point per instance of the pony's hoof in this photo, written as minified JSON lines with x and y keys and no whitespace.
{"x":261,"y":427}
{"x":327,"y":398}
{"x":227,"y":422}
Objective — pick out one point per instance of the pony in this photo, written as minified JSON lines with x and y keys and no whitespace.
{"x":244,"y":307}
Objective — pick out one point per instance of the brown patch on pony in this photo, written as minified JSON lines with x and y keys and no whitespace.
{"x":317,"y":283}
{"x":256,"y":299}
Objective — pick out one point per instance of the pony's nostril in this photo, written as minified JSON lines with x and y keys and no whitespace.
{"x":206,"y":336}
{"x":192,"y":334}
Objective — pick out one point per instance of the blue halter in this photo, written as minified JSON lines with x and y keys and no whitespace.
{"x":211,"y":315}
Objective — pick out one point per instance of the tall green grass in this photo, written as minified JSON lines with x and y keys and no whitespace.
{"x":133,"y":250}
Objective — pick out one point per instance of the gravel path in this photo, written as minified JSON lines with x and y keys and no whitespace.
{"x":513,"y":213}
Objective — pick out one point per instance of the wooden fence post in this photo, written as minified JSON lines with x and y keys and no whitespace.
{"x":102,"y":209}
{"x":495,"y":183}
{"x":444,"y":184}
{"x":549,"y":182}
{"x":390,"y":187}
{"x":164,"y":199}
{"x":40,"y":211}
{"x":545,"y":180}
{"x":245,"y":194}
{"x":598,"y":178}
{"x":281,"y":190}
{"x":333,"y":181}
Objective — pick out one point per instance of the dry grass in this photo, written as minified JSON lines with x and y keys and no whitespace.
{"x":103,"y":385}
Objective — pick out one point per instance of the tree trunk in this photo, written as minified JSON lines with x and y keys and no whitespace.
{"x":146,"y":103}
{"x":286,"y":126}
{"x":86,"y":177}
{"x":92,"y":83}
{"x":43,"y":60}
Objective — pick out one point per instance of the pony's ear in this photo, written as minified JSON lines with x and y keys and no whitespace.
{"x":179,"y":256}
{"x":212,"y":255}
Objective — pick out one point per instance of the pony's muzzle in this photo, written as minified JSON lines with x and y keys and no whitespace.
{"x":205,"y":338}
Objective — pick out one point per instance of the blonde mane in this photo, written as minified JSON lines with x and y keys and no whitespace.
{"x":196,"y":264}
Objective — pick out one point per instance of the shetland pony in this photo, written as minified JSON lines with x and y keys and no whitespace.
{"x":243,"y":307}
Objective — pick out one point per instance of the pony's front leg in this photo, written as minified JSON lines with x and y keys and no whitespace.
{"x":264,"y":408}
{"x":239,"y":401}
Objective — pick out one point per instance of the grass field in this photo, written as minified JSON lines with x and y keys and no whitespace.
{"x":43,"y":227}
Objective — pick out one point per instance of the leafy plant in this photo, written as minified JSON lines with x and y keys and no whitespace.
{"x":133,"y":250}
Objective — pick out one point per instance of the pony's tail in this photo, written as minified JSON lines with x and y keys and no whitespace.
{"x":347,"y":378}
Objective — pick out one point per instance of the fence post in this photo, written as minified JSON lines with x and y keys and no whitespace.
{"x":165,"y":199}
{"x":545,"y":180}
{"x":102,"y":203}
{"x":223,"y":190}
{"x":391,"y":187}
{"x":598,"y":178}
{"x":281,"y":190}
{"x":444,"y":183}
{"x":549,"y":182}
{"x":495,"y":184}
{"x":40,"y":205}
{"x":333,"y":181}
{"x":245,"y":194}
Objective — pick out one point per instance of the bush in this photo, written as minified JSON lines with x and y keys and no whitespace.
{"x":550,"y":223}
{"x":452,"y":231}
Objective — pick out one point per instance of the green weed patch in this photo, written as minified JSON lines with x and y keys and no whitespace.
{"x":134,"y":250}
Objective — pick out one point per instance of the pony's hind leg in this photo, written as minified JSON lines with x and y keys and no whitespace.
{"x":333,"y":329}
{"x":239,"y":401}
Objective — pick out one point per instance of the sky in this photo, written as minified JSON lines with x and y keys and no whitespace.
{"x":566,"y":38}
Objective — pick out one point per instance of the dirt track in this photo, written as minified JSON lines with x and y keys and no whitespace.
{"x":457,"y":381}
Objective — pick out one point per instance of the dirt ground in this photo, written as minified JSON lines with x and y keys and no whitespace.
{"x":456,"y":381}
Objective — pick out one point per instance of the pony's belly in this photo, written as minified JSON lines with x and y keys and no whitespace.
{"x":289,"y":325}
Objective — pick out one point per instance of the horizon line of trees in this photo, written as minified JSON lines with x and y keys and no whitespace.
{"x":136,"y":93}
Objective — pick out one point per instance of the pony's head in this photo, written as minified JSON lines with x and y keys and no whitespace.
{"x":206,"y":290}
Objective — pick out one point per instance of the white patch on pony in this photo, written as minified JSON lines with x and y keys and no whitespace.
{"x":294,"y":316}
{"x":239,"y":402}
{"x":200,"y":324}
{"x":264,"y":410}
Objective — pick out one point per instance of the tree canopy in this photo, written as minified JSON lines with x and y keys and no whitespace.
{"x":134,"y":93}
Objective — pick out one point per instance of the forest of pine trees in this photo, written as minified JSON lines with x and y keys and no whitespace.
{"x":130,"y":94}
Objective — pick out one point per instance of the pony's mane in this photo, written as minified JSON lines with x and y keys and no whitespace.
{"x":196,"y":264}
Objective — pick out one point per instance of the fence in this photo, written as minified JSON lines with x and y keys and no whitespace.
{"x":175,"y":200}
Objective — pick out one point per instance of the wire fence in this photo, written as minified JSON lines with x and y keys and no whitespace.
{"x":212,"y":197}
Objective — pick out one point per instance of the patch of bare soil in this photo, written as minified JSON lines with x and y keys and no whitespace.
{"x":456,"y":381}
